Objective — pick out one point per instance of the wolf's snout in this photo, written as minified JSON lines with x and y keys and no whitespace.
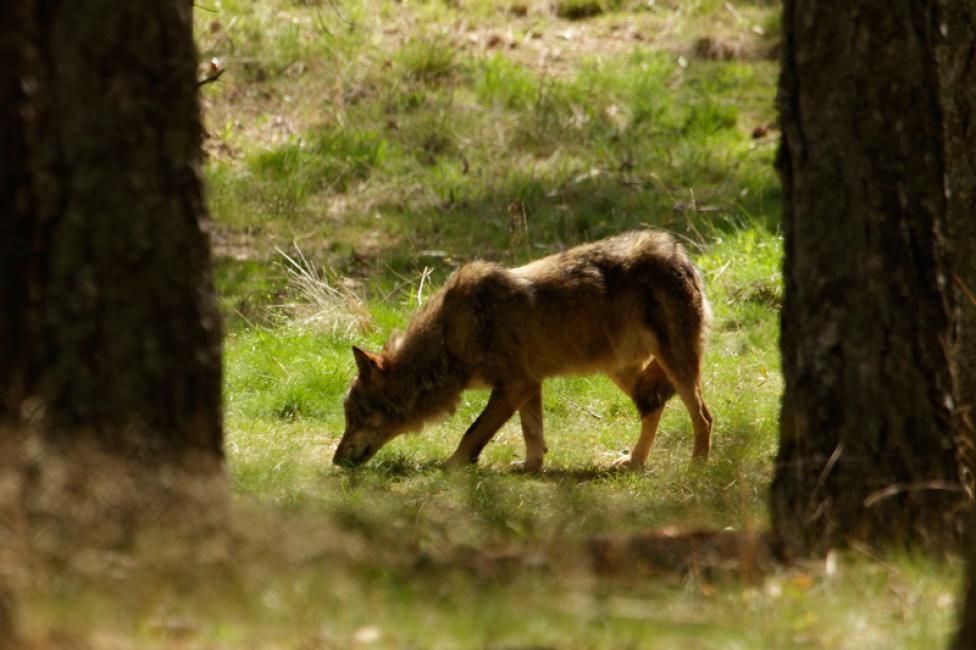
{"x":350,"y":454}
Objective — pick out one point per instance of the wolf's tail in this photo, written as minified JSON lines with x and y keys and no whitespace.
{"x":679,"y":310}
{"x":696,"y":312}
{"x":707,"y":313}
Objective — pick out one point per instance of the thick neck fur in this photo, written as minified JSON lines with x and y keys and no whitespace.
{"x":424,"y":381}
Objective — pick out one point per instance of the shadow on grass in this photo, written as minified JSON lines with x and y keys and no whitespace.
{"x":392,"y":467}
{"x":524,"y":217}
{"x":571,"y":475}
{"x":401,"y":467}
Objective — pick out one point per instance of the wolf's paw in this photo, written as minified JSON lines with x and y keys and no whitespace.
{"x":527,"y":466}
{"x":457,"y":462}
{"x":628,"y":464}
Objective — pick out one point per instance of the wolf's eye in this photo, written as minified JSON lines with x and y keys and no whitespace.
{"x":353,"y":414}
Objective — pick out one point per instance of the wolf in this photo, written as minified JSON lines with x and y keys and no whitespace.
{"x":631,"y":306}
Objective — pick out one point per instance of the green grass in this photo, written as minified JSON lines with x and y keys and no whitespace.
{"x":385,"y":138}
{"x":390,"y":142}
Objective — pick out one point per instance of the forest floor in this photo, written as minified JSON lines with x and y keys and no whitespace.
{"x":358,"y":151}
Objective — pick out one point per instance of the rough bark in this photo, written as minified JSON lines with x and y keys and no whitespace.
{"x":108,"y":327}
{"x":867,"y":448}
{"x":957,"y":70}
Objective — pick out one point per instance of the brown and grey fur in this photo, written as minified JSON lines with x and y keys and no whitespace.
{"x":631,"y":306}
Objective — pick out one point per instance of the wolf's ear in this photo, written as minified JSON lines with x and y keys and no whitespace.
{"x":368,"y":362}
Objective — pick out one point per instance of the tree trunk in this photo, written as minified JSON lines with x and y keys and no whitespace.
{"x":958,"y":80}
{"x":109,"y":328}
{"x":867,"y":448}
{"x":966,"y":636}
{"x":109,"y":338}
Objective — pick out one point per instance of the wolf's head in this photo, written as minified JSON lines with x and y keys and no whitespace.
{"x":372,"y":414}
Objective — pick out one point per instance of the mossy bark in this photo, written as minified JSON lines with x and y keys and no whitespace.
{"x":867,"y":442}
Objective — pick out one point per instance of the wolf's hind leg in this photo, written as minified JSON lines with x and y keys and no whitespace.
{"x":530,"y":416}
{"x":502,"y":404}
{"x":650,"y":389}
{"x":701,"y":418}
{"x":684,"y":372}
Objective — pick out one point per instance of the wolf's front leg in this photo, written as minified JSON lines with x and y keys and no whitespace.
{"x":502,"y":404}
{"x":530,"y":416}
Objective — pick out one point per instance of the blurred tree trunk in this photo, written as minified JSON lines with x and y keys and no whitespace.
{"x":958,"y":80}
{"x":12,"y":149}
{"x":966,"y":636}
{"x":867,"y":442}
{"x":109,"y":337}
{"x":957,"y":58}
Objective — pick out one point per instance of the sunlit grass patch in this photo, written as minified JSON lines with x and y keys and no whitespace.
{"x":502,"y":83}
{"x":288,"y":377}
{"x":443,"y":140}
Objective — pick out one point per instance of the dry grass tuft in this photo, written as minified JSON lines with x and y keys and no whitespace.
{"x":326,"y":301}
